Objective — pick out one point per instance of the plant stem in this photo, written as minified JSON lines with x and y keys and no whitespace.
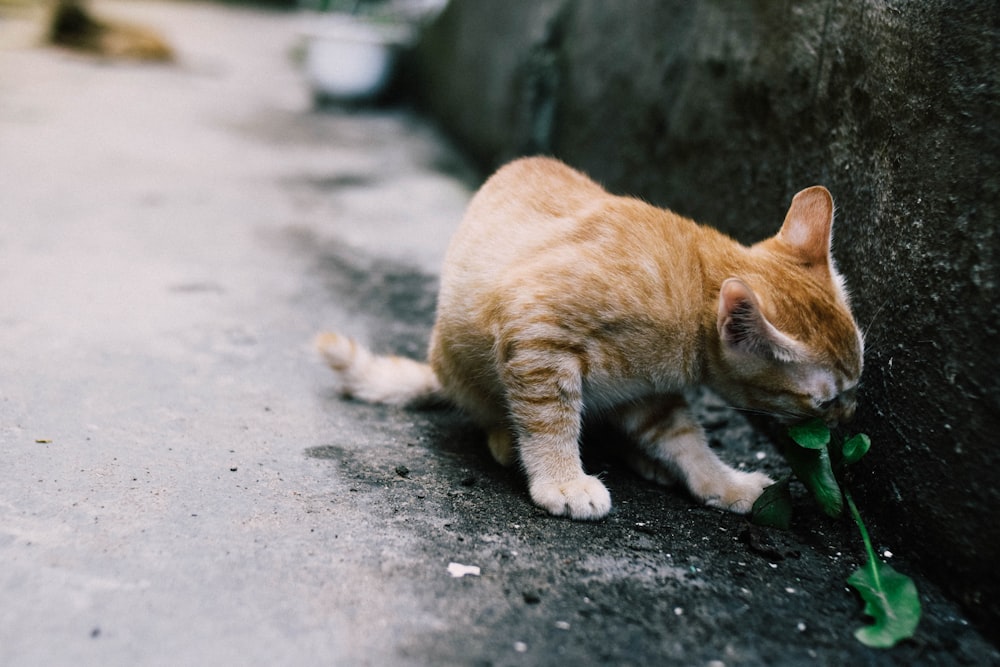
{"x":872,"y":558}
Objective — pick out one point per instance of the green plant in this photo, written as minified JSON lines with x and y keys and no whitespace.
{"x":890,"y":598}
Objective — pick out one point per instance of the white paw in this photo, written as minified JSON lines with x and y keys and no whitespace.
{"x":737,"y":492}
{"x":582,"y":498}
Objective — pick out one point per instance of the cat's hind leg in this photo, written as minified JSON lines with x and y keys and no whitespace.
{"x":501,"y":443}
{"x":672,"y":443}
{"x":649,"y":468}
{"x":545,"y":398}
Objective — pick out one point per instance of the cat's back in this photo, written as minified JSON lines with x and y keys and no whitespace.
{"x":539,"y":211}
{"x":529,"y":211}
{"x":527,"y":203}
{"x":541,"y":185}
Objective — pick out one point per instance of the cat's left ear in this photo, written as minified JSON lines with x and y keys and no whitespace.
{"x":744,"y":329}
{"x":809,"y":224}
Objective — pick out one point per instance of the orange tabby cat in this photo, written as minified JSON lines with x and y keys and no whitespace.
{"x":72,"y":26}
{"x":558,"y":298}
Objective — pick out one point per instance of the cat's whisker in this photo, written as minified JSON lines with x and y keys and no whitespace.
{"x":871,"y":323}
{"x":750,"y":410}
{"x":781,"y":415}
{"x":753,"y":411}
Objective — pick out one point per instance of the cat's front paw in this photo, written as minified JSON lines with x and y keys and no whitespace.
{"x":582,"y":498}
{"x":739,"y":492}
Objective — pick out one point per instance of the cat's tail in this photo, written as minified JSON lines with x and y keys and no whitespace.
{"x":373,"y":378}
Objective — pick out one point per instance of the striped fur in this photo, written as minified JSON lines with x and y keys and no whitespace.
{"x":390,"y":380}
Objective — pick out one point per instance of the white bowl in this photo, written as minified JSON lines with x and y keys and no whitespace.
{"x":349,"y":59}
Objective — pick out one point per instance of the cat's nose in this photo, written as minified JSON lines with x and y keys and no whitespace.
{"x":841,"y":410}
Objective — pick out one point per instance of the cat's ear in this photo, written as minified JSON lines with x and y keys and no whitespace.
{"x":809,"y":224}
{"x":744,"y":329}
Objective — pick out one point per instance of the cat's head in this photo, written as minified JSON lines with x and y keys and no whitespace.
{"x":788,"y":344}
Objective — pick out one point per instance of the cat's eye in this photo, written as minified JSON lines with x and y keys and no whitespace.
{"x":827,"y":404}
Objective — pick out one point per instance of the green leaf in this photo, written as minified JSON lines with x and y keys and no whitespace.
{"x":812,"y":434}
{"x":812,"y":467}
{"x":890,"y":597}
{"x":891,"y":600}
{"x":855,"y":448}
{"x":774,"y":507}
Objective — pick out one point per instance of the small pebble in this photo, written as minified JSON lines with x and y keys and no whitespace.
{"x":458,"y":570}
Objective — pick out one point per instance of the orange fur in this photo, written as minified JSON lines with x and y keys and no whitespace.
{"x":72,"y":26}
{"x":558,"y":298}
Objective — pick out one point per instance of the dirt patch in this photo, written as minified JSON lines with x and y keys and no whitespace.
{"x":659,"y":581}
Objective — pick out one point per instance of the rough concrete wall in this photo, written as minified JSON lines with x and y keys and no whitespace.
{"x":722,"y":111}
{"x":468,"y":70}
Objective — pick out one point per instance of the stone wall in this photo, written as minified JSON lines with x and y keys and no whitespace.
{"x":723,"y":110}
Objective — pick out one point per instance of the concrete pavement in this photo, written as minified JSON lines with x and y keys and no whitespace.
{"x":159,"y":226}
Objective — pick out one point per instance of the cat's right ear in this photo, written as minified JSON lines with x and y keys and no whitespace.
{"x":809,"y":224}
{"x":744,"y":329}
